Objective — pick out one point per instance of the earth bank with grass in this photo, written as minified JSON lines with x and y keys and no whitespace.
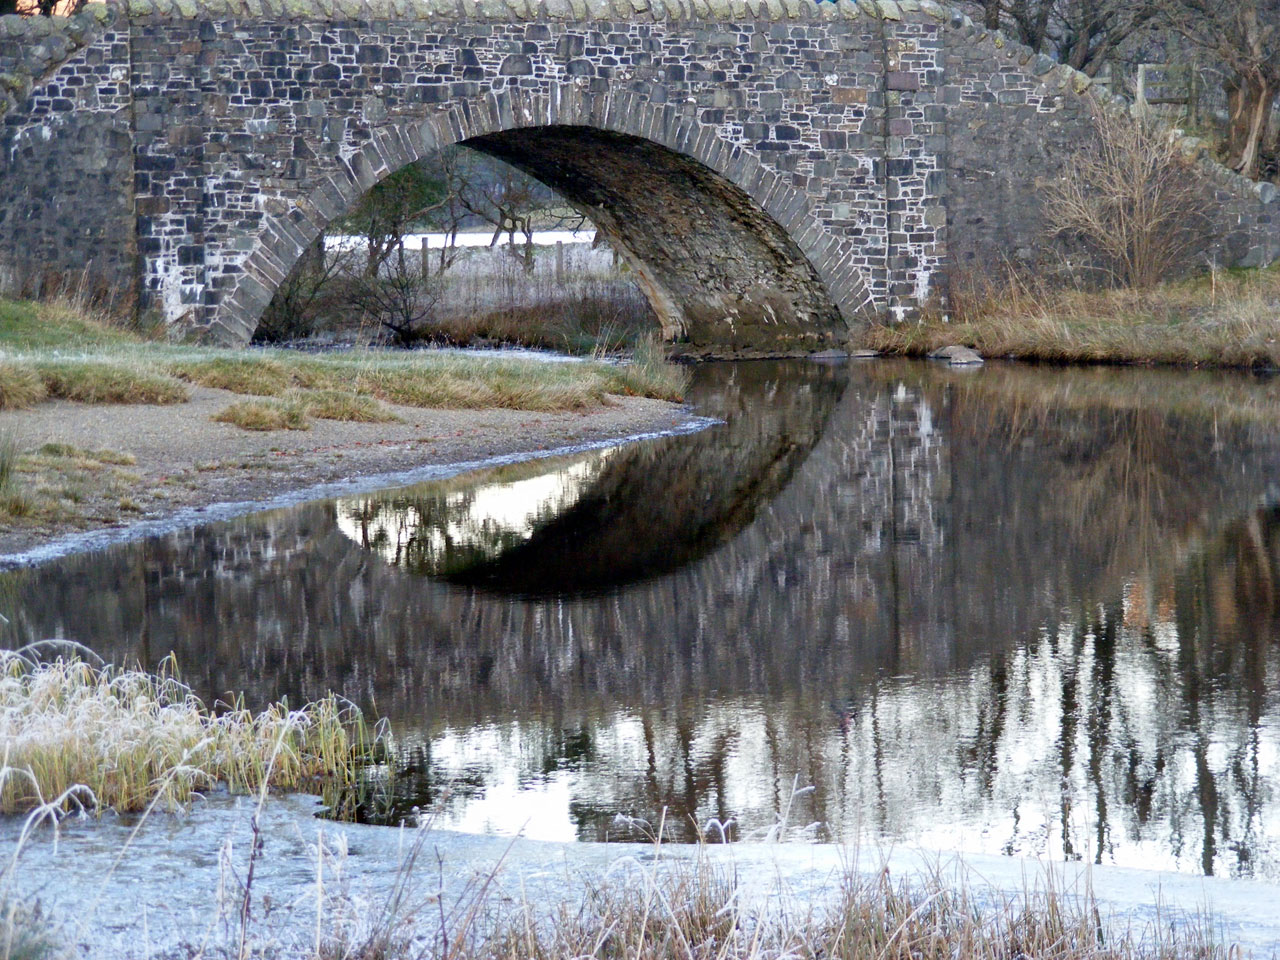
{"x":1220,"y":319}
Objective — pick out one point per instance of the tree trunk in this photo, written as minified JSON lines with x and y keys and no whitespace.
{"x":1249,"y":100}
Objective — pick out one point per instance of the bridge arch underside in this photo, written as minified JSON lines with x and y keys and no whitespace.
{"x":721,"y":275}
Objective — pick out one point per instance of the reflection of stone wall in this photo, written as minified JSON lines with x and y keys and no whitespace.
{"x":943,"y":583}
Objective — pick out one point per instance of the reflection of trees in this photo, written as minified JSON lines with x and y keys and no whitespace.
{"x":935,"y":615}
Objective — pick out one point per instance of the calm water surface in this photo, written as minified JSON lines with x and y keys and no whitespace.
{"x":1007,"y":610}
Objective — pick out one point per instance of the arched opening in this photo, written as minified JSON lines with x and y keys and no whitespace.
{"x":721,"y":274}
{"x":718,"y":271}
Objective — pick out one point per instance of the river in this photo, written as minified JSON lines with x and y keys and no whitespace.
{"x":1010,"y":611}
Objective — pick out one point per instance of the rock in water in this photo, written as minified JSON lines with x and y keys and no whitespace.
{"x":957,"y":355}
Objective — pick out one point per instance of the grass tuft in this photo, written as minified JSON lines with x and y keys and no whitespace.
{"x":10,"y":452}
{"x":265,"y":415}
{"x":339,"y":405}
{"x":649,"y":374}
{"x":20,"y":386}
{"x":102,"y":737}
{"x":107,"y":381}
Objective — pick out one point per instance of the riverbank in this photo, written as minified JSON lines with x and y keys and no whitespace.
{"x":174,"y":887}
{"x":177,"y":458}
{"x":100,"y":429}
{"x":1225,"y":319}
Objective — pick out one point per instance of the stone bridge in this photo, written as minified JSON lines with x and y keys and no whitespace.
{"x":775,"y":171}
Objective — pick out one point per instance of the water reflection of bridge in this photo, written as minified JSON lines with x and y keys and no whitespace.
{"x":962,"y":612}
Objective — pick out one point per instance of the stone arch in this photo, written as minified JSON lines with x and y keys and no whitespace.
{"x":804,"y":294}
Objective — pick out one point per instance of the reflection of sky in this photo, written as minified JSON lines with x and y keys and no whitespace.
{"x":485,"y":518}
{"x":899,"y":765}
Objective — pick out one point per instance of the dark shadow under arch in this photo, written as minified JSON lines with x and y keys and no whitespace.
{"x":719,"y":273}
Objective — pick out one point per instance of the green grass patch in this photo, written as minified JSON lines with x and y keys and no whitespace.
{"x":108,"y":381}
{"x":29,"y":325}
{"x":265,"y":415}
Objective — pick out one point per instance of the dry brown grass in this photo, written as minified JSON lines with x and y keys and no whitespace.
{"x":1227,"y":320}
{"x":700,"y":910}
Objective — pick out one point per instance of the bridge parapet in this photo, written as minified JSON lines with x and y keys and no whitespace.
{"x":766,"y":166}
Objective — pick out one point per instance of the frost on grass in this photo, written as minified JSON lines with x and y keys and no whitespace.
{"x":100,"y":736}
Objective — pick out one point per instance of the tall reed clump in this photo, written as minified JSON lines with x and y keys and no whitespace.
{"x":99,"y":737}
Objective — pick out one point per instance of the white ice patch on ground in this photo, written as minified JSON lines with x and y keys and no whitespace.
{"x":161,"y":896}
{"x":483,"y":238}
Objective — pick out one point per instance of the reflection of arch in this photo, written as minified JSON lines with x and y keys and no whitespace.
{"x":784,"y":283}
{"x":605,"y":520}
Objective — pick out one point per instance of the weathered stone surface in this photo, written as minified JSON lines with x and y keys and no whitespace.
{"x":773,"y":170}
{"x":957,"y":356}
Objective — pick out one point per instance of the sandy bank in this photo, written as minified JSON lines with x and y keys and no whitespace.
{"x":185,"y":461}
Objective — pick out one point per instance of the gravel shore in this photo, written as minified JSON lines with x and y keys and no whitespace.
{"x":186,"y":460}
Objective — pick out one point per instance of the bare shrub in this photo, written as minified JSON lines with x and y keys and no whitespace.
{"x":1132,"y":198}
{"x":295,"y":311}
{"x":398,"y":298}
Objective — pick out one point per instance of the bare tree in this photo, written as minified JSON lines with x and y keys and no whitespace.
{"x":508,"y":200}
{"x":1132,"y":198}
{"x":1084,"y":34}
{"x":1245,"y":36}
{"x":1088,"y":33}
{"x":393,"y":207}
{"x":295,"y":310}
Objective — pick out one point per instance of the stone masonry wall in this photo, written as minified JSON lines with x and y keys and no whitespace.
{"x":66,"y":190}
{"x":1014,"y":120}
{"x":775,"y":170}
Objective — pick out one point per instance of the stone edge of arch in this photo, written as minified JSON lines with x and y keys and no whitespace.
{"x":394,"y":146}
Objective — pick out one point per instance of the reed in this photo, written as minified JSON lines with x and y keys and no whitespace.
{"x":1225,"y":319}
{"x":103,"y":737}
